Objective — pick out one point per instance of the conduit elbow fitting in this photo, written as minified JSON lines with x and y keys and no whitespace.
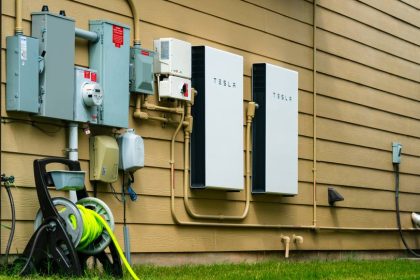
{"x":297,"y":239}
{"x":193,"y":95}
{"x":189,"y":124}
{"x":149,"y":106}
{"x":179,"y":110}
{"x":251,"y":109}
{"x":140,"y":115}
{"x":286,"y":241}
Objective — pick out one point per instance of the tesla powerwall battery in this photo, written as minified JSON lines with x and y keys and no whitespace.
{"x":217,"y":139}
{"x":275,"y":131}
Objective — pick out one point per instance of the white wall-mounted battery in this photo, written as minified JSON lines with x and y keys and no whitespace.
{"x":275,"y":130}
{"x":217,"y":149}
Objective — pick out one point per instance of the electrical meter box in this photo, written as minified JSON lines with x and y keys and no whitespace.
{"x":22,"y":74}
{"x":88,"y":95}
{"x":104,"y":157}
{"x":275,"y":131}
{"x":111,"y":58}
{"x":173,"y":57}
{"x":217,"y":150}
{"x":131,"y":151}
{"x":141,"y":71}
{"x":57,"y":46}
{"x":175,"y":87}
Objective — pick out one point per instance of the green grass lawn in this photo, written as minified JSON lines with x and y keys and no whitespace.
{"x":350,"y":269}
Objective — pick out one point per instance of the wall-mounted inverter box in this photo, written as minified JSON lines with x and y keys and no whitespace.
{"x":275,"y":130}
{"x":111,"y":58}
{"x":217,"y":140}
{"x":57,"y":45}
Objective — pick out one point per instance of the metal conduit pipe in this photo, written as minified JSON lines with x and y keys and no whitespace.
{"x":136,"y":23}
{"x":153,"y":107}
{"x":73,"y":151}
{"x":286,"y":241}
{"x":250,"y":116}
{"x":18,"y":20}
{"x":314,"y":166}
{"x":138,"y":114}
{"x":241,"y":225}
{"x":93,"y":37}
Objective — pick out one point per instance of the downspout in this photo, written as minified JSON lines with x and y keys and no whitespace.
{"x":314,"y":166}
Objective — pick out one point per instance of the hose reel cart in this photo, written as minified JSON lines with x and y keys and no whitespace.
{"x":59,"y":243}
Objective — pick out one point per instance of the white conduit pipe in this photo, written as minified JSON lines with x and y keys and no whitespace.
{"x":73,"y":151}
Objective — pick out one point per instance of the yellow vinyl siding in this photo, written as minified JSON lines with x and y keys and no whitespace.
{"x":368,"y":95}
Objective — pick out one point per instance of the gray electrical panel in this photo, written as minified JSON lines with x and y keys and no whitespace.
{"x":141,"y":70}
{"x":111,"y":58}
{"x":22,"y":74}
{"x":57,"y":45}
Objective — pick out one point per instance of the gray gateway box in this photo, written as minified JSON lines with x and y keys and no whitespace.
{"x":22,"y":74}
{"x":56,"y":36}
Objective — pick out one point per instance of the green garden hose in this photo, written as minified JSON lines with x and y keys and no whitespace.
{"x":93,"y":226}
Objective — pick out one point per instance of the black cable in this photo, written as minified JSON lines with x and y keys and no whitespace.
{"x":12,"y":230}
{"x":95,"y":189}
{"x":131,"y":176}
{"x":397,"y":207}
{"x":34,"y":124}
{"x":35,"y":241}
{"x":124,"y":200}
{"x":114,"y":193}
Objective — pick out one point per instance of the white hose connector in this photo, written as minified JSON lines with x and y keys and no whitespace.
{"x":286,"y":241}
{"x":416,"y":219}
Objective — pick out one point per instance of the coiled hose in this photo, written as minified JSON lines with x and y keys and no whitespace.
{"x":93,"y":225}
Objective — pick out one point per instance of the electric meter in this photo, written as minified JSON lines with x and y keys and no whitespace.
{"x":88,"y":95}
{"x":92,"y":94}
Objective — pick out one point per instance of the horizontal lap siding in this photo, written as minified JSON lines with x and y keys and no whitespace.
{"x":368,"y":86}
{"x":367,"y":96}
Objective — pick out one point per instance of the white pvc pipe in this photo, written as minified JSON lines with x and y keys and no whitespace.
{"x":73,"y":151}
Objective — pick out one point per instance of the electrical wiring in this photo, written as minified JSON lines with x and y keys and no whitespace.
{"x":397,"y":207}
{"x":32,"y":251}
{"x":35,"y":124}
{"x":8,"y":181}
{"x":13,"y":226}
{"x":114,"y":193}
